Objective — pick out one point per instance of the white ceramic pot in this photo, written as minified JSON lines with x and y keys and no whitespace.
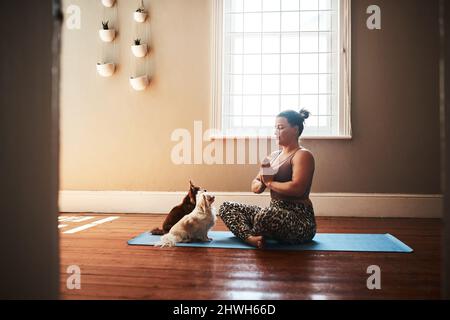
{"x":107,"y":35}
{"x":140,"y":50}
{"x":108,"y":3}
{"x":106,"y":69}
{"x":140,"y":16}
{"x":139,"y":83}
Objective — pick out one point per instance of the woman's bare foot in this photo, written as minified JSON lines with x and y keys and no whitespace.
{"x":256,"y":241}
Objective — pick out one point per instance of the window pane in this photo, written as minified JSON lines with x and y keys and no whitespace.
{"x":236,"y":121}
{"x":252,"y":5}
{"x":288,"y":5}
{"x":250,"y":122}
{"x":324,"y":121}
{"x":324,"y":105}
{"x":325,"y":42}
{"x":312,"y":121}
{"x":309,"y":84}
{"x":270,"y":63}
{"x":309,"y":42}
{"x":309,"y":21}
{"x":290,"y":63}
{"x":325,"y":63}
{"x":234,"y":5}
{"x":310,"y":103}
{"x":289,"y":84}
{"x":252,"y":22}
{"x":270,"y":105}
{"x":234,"y":43}
{"x":236,"y":64}
{"x":251,"y":105}
{"x":309,"y":63}
{"x":235,"y":22}
{"x":252,"y":84}
{"x":289,"y":21}
{"x":236,"y":105}
{"x":270,"y":84}
{"x":236,"y":84}
{"x":252,"y":64}
{"x":271,"y":22}
{"x":324,"y":83}
{"x":309,"y":4}
{"x":289,"y":103}
{"x":252,"y":43}
{"x":324,"y":4}
{"x":325,"y":21}
{"x":271,"y":43}
{"x":289,"y":43}
{"x":268,"y":121}
{"x":271,"y":5}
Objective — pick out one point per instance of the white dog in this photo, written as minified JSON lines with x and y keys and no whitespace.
{"x":193,"y":227}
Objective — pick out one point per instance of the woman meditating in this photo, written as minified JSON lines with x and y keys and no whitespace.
{"x":288,"y":174}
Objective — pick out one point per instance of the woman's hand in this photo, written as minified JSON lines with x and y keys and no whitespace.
{"x":267,"y":181}
{"x":258,"y":186}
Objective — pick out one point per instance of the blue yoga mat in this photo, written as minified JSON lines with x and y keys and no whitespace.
{"x":321,"y":242}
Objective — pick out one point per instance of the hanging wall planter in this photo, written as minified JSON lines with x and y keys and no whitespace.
{"x":140,"y":15}
{"x":108,"y":3}
{"x":106,"y":69}
{"x":139,"y":49}
{"x":106,"y":34}
{"x":139,"y":83}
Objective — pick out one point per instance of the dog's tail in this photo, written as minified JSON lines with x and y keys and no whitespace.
{"x":157,"y":232}
{"x":168,"y":240}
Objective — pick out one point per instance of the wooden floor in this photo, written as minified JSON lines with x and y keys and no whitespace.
{"x":110,"y":269}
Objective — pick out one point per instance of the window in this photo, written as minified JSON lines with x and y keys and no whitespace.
{"x":274,"y":55}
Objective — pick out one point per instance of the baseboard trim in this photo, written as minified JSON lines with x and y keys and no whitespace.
{"x":325,"y":204}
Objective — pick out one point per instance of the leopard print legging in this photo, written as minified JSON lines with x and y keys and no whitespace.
{"x":287,"y":222}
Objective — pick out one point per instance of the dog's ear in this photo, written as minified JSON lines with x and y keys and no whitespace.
{"x":191,"y":184}
{"x":203,"y":203}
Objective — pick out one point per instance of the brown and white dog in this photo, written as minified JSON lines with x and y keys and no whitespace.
{"x":179,"y":211}
{"x":193,"y":227}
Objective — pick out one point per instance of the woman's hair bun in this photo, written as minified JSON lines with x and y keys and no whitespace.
{"x":304,"y":114}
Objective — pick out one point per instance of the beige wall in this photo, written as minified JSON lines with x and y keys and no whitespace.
{"x":116,"y":139}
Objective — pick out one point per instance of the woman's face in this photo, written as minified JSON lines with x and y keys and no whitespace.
{"x":284,"y":132}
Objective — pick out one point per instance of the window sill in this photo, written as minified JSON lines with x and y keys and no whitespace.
{"x":232,"y":137}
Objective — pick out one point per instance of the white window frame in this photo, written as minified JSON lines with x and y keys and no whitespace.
{"x":345,"y":127}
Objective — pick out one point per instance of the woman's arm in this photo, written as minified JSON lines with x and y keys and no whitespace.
{"x":302,"y":172}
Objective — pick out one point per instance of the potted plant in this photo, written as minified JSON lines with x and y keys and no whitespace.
{"x":139,"y":83}
{"x":139,"y":49}
{"x":140,"y":15}
{"x":108,"y":3}
{"x":106,"y":34}
{"x":106,"y":69}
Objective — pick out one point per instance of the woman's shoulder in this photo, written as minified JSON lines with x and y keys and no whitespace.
{"x":304,"y":153}
{"x":303,"y":149}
